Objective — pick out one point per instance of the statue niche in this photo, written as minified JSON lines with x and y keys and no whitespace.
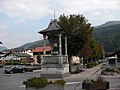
{"x":54,"y":44}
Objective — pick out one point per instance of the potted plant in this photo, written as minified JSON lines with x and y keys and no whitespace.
{"x":98,"y":84}
{"x":41,"y":83}
{"x":108,"y":71}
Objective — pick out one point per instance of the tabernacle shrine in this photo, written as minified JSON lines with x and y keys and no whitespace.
{"x":54,"y":65}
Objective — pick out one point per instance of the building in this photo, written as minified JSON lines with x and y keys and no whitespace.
{"x":112,"y":60}
{"x":1,"y":55}
{"x":16,"y":57}
{"x":41,"y":51}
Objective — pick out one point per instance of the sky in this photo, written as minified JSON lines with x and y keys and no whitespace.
{"x":20,"y":20}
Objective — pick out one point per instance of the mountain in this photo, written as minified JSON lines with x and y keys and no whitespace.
{"x":33,"y":45}
{"x":2,"y":48}
{"x":108,"y":35}
{"x":109,"y":23}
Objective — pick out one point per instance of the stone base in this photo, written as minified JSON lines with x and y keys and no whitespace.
{"x":55,"y":71}
{"x":60,"y":76}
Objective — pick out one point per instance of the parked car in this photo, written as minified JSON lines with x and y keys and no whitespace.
{"x":15,"y":69}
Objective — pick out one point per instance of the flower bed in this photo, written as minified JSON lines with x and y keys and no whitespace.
{"x":41,"y":83}
{"x":98,"y":84}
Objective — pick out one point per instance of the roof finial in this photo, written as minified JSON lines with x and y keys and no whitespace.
{"x":54,"y":14}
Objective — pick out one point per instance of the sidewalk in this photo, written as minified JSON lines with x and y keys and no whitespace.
{"x":86,"y":73}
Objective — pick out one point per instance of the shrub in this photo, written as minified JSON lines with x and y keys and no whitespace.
{"x":41,"y":82}
{"x":60,"y":82}
{"x":99,"y":79}
{"x":110,"y":70}
{"x":29,"y":69}
{"x":91,"y":64}
{"x":38,"y":82}
{"x":76,"y":71}
{"x":88,"y":65}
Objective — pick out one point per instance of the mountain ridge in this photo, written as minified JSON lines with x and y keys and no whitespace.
{"x":106,"y":34}
{"x":109,"y":23}
{"x":2,"y":48}
{"x":32,"y":45}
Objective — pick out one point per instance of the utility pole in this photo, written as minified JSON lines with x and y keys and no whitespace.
{"x":103,"y":53}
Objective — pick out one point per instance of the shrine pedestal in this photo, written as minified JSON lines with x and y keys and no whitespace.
{"x":54,"y":66}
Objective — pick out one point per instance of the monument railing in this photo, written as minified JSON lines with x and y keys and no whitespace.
{"x":54,"y":59}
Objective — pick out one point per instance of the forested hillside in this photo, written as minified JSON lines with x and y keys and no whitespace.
{"x":108,"y":36}
{"x":33,"y":45}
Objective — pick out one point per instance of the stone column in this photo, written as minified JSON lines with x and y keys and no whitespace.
{"x":60,"y":44}
{"x":66,"y":45}
{"x":44,"y":45}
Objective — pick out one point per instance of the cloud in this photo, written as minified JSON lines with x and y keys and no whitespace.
{"x":25,"y":9}
{"x":12,"y":40}
{"x":3,"y":33}
{"x":2,"y":30}
{"x":96,"y":11}
{"x":36,"y":9}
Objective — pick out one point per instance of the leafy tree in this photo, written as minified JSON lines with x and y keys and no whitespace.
{"x":80,"y":36}
{"x":38,"y":58}
{"x":79,"y":33}
{"x":117,"y":49}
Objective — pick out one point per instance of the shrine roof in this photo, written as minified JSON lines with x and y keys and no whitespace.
{"x":52,"y":27}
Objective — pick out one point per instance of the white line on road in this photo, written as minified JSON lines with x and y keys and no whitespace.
{"x":73,"y":83}
{"x":22,"y":86}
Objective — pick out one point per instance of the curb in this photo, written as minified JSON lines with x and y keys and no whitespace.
{"x":96,"y":71}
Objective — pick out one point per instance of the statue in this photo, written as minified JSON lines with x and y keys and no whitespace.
{"x":55,"y":49}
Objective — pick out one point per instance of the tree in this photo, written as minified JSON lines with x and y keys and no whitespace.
{"x":80,"y":36}
{"x":78,"y":32}
{"x":38,"y":58}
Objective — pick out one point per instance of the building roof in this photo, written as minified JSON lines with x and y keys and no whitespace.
{"x":52,"y":27}
{"x":1,"y":52}
{"x":41,"y":49}
{"x":19,"y":54}
{"x":22,"y":54}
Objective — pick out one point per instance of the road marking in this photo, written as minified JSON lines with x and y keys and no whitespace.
{"x":36,"y":70}
{"x":114,"y":88}
{"x":68,"y":83}
{"x":22,"y":86}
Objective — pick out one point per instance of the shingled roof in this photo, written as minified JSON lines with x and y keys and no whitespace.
{"x":19,"y":54}
{"x":22,"y":55}
{"x":53,"y":27}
